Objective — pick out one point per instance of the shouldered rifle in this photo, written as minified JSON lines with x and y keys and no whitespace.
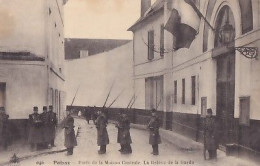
{"x":133,"y":102}
{"x":130,"y":101}
{"x":116,"y":98}
{"x":109,"y":93}
{"x":74,"y":96}
{"x":159,"y":103}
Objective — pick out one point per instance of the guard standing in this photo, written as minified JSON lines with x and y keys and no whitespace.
{"x":52,"y":125}
{"x":69,"y":133}
{"x":124,"y":137}
{"x":35,"y":133}
{"x":45,"y":127}
{"x":210,"y":135}
{"x":102,"y":135}
{"x":154,"y":138}
{"x":119,"y":129}
{"x":4,"y":134}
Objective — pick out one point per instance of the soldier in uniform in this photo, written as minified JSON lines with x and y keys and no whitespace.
{"x":52,"y":125}
{"x":4,"y":128}
{"x":119,"y":129}
{"x":154,"y":138}
{"x":94,"y":114}
{"x":210,"y":135}
{"x":87,"y":114}
{"x":45,"y":127}
{"x":35,"y":132}
{"x":69,"y":133}
{"x":102,"y":135}
{"x":124,"y":137}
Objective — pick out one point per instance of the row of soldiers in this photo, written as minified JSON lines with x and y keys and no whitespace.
{"x":124,"y":136}
{"x":42,"y":128}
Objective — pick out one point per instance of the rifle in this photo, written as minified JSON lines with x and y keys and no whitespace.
{"x":130,"y":101}
{"x":116,"y":98}
{"x":74,"y":96}
{"x":133,"y":102}
{"x":108,"y":93}
{"x":159,"y":103}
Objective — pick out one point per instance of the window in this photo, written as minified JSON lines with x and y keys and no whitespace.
{"x":2,"y":94}
{"x":193,"y":90}
{"x":246,"y":15}
{"x":151,"y":45}
{"x":162,"y":41}
{"x":175,"y":92}
{"x":183,"y":91}
{"x":154,"y":92}
{"x":244,"y":106}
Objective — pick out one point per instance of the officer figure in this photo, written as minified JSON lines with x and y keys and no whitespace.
{"x":210,"y":135}
{"x":45,"y":127}
{"x":69,"y":133}
{"x":4,"y":128}
{"x":124,"y":137}
{"x":35,"y":132}
{"x":102,"y":135}
{"x":154,"y":138}
{"x":52,"y":125}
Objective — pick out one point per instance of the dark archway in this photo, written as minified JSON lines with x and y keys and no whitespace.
{"x":225,"y":82}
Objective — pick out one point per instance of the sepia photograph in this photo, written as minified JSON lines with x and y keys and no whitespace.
{"x":129,"y":82}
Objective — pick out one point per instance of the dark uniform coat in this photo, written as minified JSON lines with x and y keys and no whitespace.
{"x":124,"y":131}
{"x":35,"y":129}
{"x":69,"y":133}
{"x":52,"y":124}
{"x":119,"y":127}
{"x":4,"y":131}
{"x":45,"y":127}
{"x":102,"y":135}
{"x":154,"y":126}
{"x":210,"y":134}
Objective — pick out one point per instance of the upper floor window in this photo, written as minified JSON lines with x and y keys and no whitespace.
{"x":175,"y":92}
{"x":193,"y":90}
{"x":183,"y":91}
{"x":162,"y":41}
{"x":151,"y":45}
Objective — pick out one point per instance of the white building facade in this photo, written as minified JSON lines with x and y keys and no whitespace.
{"x":184,"y":79}
{"x":31,"y":56}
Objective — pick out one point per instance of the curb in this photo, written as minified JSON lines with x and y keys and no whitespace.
{"x":179,"y":141}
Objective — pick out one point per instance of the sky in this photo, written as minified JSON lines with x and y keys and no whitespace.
{"x":100,"y":19}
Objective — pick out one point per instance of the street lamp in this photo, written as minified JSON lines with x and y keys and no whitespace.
{"x":227,"y":35}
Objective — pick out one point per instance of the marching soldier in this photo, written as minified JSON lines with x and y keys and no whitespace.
{"x":102,"y":135}
{"x":52,"y":125}
{"x":4,"y":128}
{"x":45,"y":127}
{"x":35,"y":133}
{"x":210,"y":135}
{"x":69,"y":133}
{"x":154,"y":138}
{"x":124,"y":137}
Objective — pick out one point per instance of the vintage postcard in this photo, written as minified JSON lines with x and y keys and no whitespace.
{"x":129,"y":82}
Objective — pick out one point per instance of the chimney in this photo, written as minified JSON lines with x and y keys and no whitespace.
{"x":145,"y":5}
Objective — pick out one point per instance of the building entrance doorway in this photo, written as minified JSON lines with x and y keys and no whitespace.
{"x":225,"y":97}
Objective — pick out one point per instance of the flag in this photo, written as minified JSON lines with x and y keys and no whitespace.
{"x":183,"y":23}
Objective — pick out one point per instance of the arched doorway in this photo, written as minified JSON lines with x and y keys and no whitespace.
{"x":225,"y":80}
